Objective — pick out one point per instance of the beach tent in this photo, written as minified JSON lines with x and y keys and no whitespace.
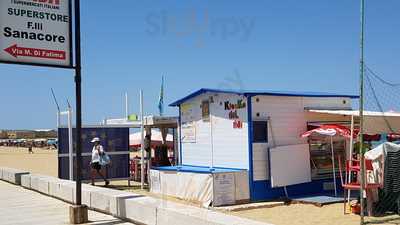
{"x":330,"y":130}
{"x":156,"y":139}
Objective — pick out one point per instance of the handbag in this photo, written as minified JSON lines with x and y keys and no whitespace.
{"x":104,"y":159}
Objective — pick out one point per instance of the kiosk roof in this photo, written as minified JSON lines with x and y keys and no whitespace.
{"x":262,"y":92}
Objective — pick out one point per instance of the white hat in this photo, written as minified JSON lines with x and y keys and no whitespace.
{"x":96,"y":139}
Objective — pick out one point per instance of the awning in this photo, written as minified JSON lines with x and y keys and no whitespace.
{"x":156,"y":139}
{"x":374,"y":122}
{"x":357,"y":113}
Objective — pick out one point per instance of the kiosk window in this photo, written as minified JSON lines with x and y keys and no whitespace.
{"x":260,"y":131}
{"x":205,"y":111}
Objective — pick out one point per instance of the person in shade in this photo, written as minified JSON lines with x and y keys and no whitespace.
{"x":95,"y":165}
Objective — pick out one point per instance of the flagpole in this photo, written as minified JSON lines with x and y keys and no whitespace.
{"x":161,"y":98}
{"x":362,"y":169}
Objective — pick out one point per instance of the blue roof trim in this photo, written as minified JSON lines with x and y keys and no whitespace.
{"x":198,"y":169}
{"x":254,"y":93}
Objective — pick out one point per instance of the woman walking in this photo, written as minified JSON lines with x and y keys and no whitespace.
{"x":97,"y":153}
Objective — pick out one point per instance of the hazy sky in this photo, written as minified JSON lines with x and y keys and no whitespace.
{"x":310,"y":45}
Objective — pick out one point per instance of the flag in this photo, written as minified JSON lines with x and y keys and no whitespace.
{"x":161,"y":98}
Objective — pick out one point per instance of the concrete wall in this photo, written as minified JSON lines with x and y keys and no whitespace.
{"x":12,"y":175}
{"x":137,"y":208}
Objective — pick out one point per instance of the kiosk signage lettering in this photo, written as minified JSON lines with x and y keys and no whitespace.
{"x":35,"y":32}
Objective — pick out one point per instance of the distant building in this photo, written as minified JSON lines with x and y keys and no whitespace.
{"x":3,"y":134}
{"x":28,"y":134}
{"x":45,"y":133}
{"x":21,"y":134}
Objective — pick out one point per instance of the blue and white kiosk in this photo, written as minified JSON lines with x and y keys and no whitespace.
{"x":241,"y":146}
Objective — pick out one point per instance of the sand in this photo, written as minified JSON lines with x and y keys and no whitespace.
{"x":300,"y":214}
{"x":45,"y":162}
{"x":42,"y":161}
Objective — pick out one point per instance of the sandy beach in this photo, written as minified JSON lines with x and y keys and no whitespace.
{"x":45,"y":162}
{"x":42,"y":161}
{"x":300,"y":214}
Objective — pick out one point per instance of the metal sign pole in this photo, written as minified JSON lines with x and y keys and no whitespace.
{"x":362,"y":111}
{"x":78,"y":212}
{"x":78,"y":90}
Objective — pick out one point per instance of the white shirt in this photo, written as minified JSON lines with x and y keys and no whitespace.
{"x":95,"y":153}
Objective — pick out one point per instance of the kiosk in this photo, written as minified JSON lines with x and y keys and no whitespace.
{"x":256,"y":133}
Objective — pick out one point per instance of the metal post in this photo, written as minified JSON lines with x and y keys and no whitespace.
{"x":176,"y":150}
{"x":148,"y":132}
{"x":126,"y":106}
{"x":362,"y":111}
{"x":58,"y":119}
{"x":333,"y":166}
{"x":78,"y":90}
{"x":142,"y":141}
{"x":212,"y":140}
{"x":351,"y":153}
{"x":70,"y":145}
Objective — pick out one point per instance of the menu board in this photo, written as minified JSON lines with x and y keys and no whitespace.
{"x":188,"y":132}
{"x":224,"y":189}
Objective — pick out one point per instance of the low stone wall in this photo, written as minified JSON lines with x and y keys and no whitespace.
{"x":137,"y":208}
{"x":12,"y":175}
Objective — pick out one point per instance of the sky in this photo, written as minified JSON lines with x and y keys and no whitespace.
{"x":128,"y":45}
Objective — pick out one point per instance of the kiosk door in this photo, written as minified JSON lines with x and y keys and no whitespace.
{"x":260,"y":150}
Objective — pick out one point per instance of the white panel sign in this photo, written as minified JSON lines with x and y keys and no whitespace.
{"x":189,"y":132}
{"x":155,"y":181}
{"x":290,"y":165}
{"x":35,"y":32}
{"x":224,"y":189}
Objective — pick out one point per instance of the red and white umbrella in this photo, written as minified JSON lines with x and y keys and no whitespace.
{"x":330,"y":130}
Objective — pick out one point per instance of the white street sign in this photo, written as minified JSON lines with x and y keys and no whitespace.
{"x":35,"y":32}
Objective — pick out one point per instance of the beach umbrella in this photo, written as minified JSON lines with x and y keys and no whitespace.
{"x":331,"y":131}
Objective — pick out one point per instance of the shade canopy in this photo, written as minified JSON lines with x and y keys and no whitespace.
{"x":156,"y":139}
{"x":374,"y":122}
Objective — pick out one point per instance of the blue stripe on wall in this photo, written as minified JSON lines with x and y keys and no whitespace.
{"x":250,"y":136}
{"x":262,"y":190}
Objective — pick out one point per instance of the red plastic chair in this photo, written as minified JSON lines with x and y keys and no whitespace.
{"x":353,"y":166}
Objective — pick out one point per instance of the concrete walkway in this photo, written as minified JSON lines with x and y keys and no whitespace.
{"x":21,"y":206}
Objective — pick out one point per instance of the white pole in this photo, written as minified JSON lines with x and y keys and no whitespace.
{"x":58,"y":119}
{"x":212,"y":140}
{"x":142,"y":140}
{"x":333,"y":166}
{"x":176,"y":150}
{"x":70,"y":145}
{"x":126,"y":106}
{"x":351,"y":153}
